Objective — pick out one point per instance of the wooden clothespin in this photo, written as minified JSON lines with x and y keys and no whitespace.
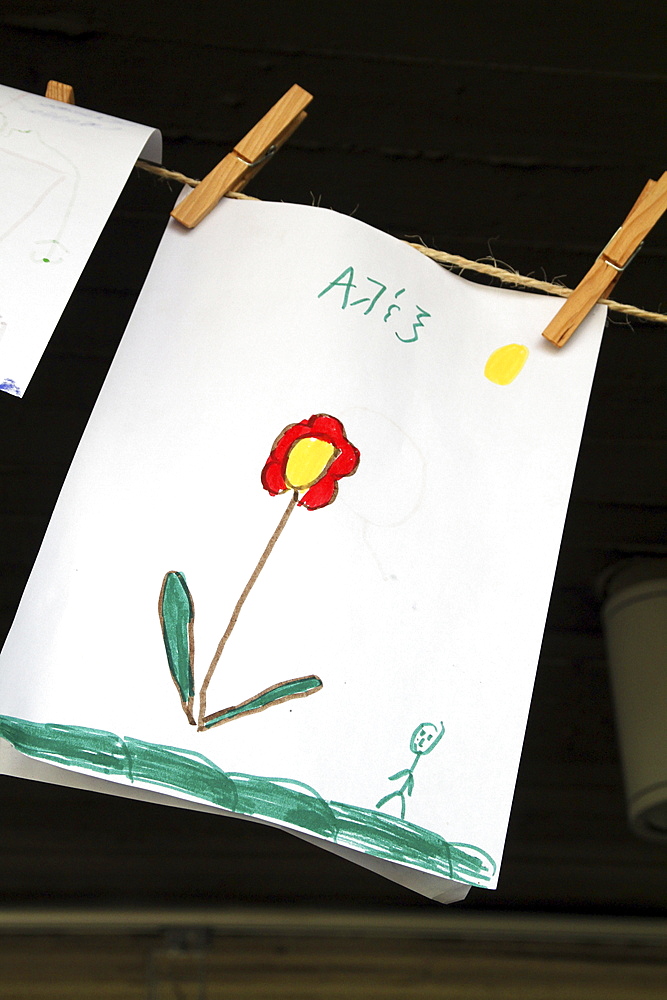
{"x":60,"y":92}
{"x":247,"y":157}
{"x":607,"y":269}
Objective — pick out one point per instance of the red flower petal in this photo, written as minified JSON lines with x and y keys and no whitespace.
{"x":325,"y":426}
{"x":286,"y":439}
{"x":272,"y":477}
{"x":321,"y":494}
{"x":346,"y":463}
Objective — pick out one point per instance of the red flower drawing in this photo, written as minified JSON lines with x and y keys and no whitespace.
{"x":307,"y":458}
{"x":310,"y":457}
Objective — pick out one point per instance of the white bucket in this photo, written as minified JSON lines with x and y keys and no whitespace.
{"x":634,"y":615}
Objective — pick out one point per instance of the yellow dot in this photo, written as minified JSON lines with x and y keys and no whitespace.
{"x":308,"y":460}
{"x":505,"y":364}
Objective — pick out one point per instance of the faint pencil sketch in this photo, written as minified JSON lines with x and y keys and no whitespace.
{"x":43,"y":177}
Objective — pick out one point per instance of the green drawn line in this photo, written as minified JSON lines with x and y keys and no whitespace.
{"x":285,"y":800}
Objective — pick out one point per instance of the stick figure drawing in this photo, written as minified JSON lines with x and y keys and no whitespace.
{"x":424,"y":739}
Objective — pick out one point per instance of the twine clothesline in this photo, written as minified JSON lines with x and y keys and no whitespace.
{"x":451,"y":260}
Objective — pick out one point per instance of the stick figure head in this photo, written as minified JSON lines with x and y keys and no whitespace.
{"x":425,"y":737}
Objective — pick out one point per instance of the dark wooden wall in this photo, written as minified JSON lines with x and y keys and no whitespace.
{"x":363,"y":962}
{"x":522,"y":131}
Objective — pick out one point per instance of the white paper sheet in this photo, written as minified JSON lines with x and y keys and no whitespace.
{"x":61,"y":170}
{"x":416,"y":599}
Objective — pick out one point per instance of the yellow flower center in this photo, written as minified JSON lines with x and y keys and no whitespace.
{"x":307,"y":462}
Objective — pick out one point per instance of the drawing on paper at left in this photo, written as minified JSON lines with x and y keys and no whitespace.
{"x":43,"y":184}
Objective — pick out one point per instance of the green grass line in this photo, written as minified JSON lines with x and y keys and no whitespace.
{"x":282,"y":799}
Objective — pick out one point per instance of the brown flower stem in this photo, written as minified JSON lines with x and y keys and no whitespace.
{"x":239,"y":604}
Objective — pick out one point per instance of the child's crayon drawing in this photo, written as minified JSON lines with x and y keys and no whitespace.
{"x":396,"y":603}
{"x":49,"y":179}
{"x":306,"y":459}
{"x":62,"y":168}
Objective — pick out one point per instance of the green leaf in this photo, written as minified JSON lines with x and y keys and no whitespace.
{"x":300,"y":687}
{"x":177,"y":615}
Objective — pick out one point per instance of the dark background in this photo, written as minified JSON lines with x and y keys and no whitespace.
{"x":522,"y":131}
